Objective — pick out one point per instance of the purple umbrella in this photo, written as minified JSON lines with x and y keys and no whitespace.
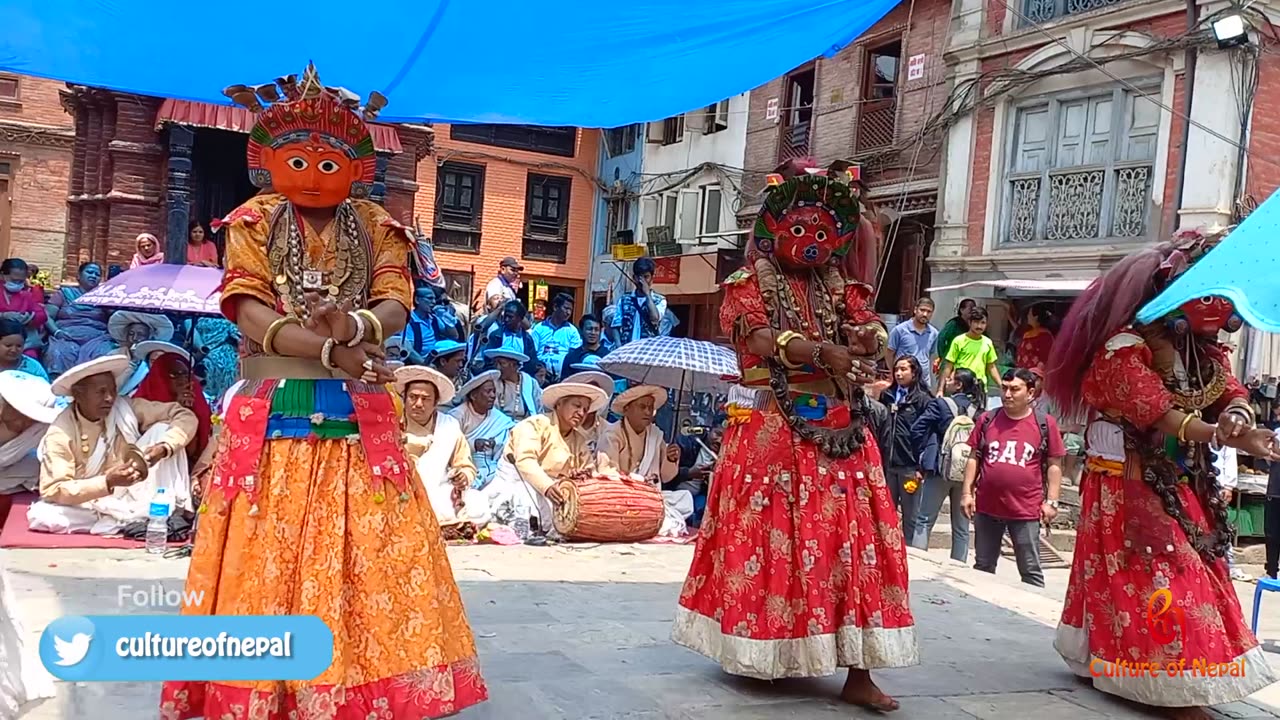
{"x":161,"y":288}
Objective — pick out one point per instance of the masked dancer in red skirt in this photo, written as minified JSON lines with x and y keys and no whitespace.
{"x":800,"y":567}
{"x":1150,"y":605}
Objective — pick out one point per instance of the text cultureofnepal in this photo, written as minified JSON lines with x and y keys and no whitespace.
{"x":157,"y":645}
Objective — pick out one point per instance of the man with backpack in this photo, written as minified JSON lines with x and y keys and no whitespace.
{"x":1016,"y":473}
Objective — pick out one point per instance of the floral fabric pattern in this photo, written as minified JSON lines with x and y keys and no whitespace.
{"x":375,"y":572}
{"x":1128,"y":547}
{"x":800,"y":566}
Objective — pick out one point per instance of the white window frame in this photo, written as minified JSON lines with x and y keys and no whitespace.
{"x":705,"y":210}
{"x":1150,"y":85}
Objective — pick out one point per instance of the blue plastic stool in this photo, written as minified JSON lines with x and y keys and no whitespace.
{"x":1264,"y":584}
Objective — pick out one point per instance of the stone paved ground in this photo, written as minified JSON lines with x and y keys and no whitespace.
{"x":578,"y":632}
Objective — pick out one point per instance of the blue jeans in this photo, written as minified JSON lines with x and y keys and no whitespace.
{"x":936,"y":489}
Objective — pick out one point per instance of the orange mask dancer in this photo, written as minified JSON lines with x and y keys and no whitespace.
{"x":312,"y":148}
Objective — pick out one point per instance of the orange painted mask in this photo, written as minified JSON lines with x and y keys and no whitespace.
{"x":311,"y":172}
{"x":314,"y":151}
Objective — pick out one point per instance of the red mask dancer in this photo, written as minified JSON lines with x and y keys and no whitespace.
{"x":1207,"y":315}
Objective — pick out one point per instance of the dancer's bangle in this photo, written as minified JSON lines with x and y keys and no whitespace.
{"x":1182,"y":429}
{"x":358,"y":337}
{"x":781,"y":341}
{"x":817,"y":360}
{"x":269,"y":337}
{"x":326,"y":353}
{"x":1242,"y":411}
{"x":374,"y":324}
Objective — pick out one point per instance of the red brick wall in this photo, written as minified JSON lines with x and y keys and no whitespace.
{"x":838,"y":95}
{"x":503,"y":210}
{"x":1264,"y":135}
{"x":1169,"y":213}
{"x":36,"y":139}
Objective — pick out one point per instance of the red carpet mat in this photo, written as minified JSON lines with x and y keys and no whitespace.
{"x":15,"y":533}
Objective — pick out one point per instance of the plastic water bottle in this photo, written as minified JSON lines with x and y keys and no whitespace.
{"x":158,"y":523}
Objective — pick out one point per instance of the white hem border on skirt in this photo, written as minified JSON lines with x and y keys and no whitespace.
{"x":813,"y":656}
{"x":1185,"y":689}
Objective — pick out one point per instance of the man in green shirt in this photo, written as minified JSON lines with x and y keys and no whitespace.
{"x":973,"y":351}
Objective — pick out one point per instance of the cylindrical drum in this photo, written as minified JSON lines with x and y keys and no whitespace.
{"x":606,"y":508}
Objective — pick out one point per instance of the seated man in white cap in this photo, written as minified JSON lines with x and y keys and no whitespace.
{"x":485,"y":426}
{"x":635,"y":445}
{"x":438,"y":448}
{"x":129,"y":329}
{"x":28,"y":407}
{"x":519,"y":395}
{"x":86,"y":481}
{"x":594,"y":426}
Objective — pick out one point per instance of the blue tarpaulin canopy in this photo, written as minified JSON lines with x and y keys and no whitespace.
{"x":1244,"y":268}
{"x":566,"y":62}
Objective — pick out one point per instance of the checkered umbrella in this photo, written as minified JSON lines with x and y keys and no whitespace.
{"x":692,"y":366}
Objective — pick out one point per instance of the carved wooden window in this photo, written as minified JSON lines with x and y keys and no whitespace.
{"x":1040,"y":11}
{"x":459,"y":202}
{"x":1081,"y":168}
{"x":547,"y":218}
{"x":9,"y":86}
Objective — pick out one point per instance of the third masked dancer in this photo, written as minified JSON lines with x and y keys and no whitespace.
{"x":1149,"y":581}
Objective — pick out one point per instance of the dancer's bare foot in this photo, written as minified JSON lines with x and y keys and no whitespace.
{"x":860,"y":690}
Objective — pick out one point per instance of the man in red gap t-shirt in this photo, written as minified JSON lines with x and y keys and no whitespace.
{"x":1009,"y":447}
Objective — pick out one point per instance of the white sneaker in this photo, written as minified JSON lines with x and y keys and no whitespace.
{"x":1240,"y":576}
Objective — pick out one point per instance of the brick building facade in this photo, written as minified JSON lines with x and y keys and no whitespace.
{"x":36,"y":139}
{"x":495,"y":191}
{"x":868,"y":103}
{"x":1079,"y":159}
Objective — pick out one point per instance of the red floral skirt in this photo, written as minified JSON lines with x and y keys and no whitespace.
{"x":1146,"y":617}
{"x":800,"y":567}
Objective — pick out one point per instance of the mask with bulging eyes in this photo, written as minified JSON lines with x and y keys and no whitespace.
{"x":1209,"y":314}
{"x":806,"y":236}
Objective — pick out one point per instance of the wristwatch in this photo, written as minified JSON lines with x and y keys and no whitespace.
{"x":1052,"y":503}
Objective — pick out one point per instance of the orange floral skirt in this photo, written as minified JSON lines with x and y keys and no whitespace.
{"x":375,"y":572}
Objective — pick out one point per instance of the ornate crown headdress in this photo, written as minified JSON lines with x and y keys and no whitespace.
{"x":831,"y":189}
{"x":1191,"y":245}
{"x":289,"y":110}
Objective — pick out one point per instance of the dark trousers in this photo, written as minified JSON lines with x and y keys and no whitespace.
{"x":989,"y":531}
{"x":1271,"y":523}
{"x":907,"y":503}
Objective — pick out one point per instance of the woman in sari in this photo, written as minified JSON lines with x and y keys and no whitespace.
{"x":77,"y":333}
{"x":541,"y":450}
{"x":1150,"y":582}
{"x":315,"y":509}
{"x":217,"y":344}
{"x":13,"y":338}
{"x":1037,"y":340}
{"x":169,"y":379}
{"x":485,"y":426}
{"x":148,"y":251}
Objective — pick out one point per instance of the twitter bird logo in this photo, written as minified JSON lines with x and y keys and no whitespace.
{"x":73,"y":651}
{"x":66,"y":644}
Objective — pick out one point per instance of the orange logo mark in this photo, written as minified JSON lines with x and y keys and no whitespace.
{"x":1162,"y":616}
